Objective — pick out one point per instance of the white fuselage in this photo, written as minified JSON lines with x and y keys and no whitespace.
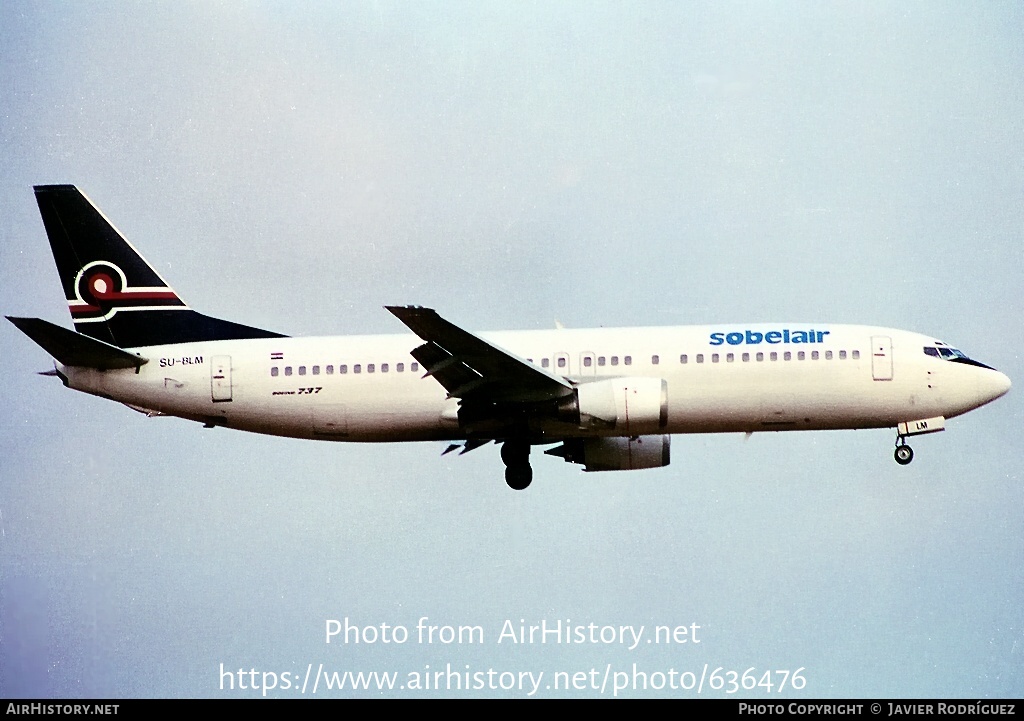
{"x":785,"y":376}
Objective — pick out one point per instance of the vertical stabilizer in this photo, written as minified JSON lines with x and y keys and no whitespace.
{"x":113,"y":294}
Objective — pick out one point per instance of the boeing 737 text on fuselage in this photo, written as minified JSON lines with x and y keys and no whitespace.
{"x":608,"y":399}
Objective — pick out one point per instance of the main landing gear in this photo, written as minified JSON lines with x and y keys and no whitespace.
{"x":516,"y":456}
{"x":904,"y":454}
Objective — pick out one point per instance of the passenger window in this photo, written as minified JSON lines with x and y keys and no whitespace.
{"x":330,"y":370}
{"x":383,"y":367}
{"x":787,"y":356}
{"x":273,"y":371}
{"x":587,"y":361}
{"x":370,"y":368}
{"x":302,"y":370}
{"x":774,"y":356}
{"x":287,"y":370}
{"x":714,"y":357}
{"x":760,"y":357}
{"x":615,"y":360}
{"x":654,"y":360}
{"x":600,"y":360}
{"x":828,"y":355}
{"x":683,"y":358}
{"x":400,"y":367}
{"x":544,"y":363}
{"x":814,"y":355}
{"x":357,"y":368}
{"x":414,"y":367}
{"x":561,"y":362}
{"x":700,"y":357}
{"x":343,"y":368}
{"x":628,"y":360}
{"x":746,"y":357}
{"x":842,"y":355}
{"x":856,"y":355}
{"x":729,"y":357}
{"x":316,"y":370}
{"x":800,"y":355}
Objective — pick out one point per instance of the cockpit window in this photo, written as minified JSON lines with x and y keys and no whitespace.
{"x":951,"y":354}
{"x":944,"y":352}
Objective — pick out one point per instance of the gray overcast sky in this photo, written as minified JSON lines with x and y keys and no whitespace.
{"x":296,"y":168}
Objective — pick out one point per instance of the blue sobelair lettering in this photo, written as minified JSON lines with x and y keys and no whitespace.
{"x":753,"y":337}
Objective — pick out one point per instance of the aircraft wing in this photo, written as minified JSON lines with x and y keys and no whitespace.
{"x":471,"y":368}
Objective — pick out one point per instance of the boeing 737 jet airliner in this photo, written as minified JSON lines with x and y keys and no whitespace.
{"x":611,"y":398}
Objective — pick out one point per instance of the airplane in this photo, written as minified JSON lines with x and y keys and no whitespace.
{"x":610,"y":398}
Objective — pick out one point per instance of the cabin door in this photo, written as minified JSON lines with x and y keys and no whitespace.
{"x":220,"y":378}
{"x":881,"y":357}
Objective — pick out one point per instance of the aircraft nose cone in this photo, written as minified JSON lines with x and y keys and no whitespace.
{"x":994,"y":384}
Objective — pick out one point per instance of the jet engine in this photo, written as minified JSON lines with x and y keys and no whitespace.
{"x":630,"y":406}
{"x":615,"y":454}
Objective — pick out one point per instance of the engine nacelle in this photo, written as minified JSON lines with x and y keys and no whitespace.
{"x":615,"y":454}
{"x":630,"y":406}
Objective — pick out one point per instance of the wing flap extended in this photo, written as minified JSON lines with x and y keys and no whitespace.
{"x":469,"y":367}
{"x":73,"y":349}
{"x":457,"y":378}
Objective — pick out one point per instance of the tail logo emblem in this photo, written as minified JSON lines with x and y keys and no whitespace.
{"x":102,"y":290}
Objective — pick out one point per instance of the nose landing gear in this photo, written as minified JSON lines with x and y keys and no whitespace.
{"x":904,"y":454}
{"x":516,"y":456}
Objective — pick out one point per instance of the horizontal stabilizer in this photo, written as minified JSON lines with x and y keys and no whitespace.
{"x":73,"y":349}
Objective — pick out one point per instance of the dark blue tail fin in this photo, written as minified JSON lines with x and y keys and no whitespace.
{"x":113,"y":294}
